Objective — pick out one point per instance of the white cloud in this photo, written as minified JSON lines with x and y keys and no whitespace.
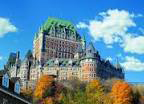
{"x":81,"y":25}
{"x":1,"y":58}
{"x":6,"y":26}
{"x":119,"y":55}
{"x":133,"y":64}
{"x":134,"y":44}
{"x":109,"y":58}
{"x":109,"y":46}
{"x":112,"y":27}
{"x":141,"y":30}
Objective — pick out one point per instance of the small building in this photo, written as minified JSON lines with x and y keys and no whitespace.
{"x":10,"y":90}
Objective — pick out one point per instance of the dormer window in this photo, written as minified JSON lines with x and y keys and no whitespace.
{"x":17,"y":87}
{"x":5,"y":81}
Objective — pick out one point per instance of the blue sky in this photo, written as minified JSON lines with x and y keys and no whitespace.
{"x":115,"y":27}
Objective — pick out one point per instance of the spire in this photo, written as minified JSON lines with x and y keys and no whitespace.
{"x":29,"y":54}
{"x":40,"y":29}
{"x":17,"y":62}
{"x":83,"y":42}
{"x":17,"y":57}
{"x":91,"y":47}
{"x":84,"y":38}
{"x":118,"y":66}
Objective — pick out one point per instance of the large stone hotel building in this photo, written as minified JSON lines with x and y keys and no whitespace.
{"x":58,"y":49}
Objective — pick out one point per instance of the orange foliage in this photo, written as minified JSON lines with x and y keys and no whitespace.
{"x":121,"y":93}
{"x":42,"y":85}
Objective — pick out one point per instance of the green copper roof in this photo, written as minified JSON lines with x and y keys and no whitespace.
{"x":59,"y":23}
{"x":62,"y":62}
{"x":56,"y":22}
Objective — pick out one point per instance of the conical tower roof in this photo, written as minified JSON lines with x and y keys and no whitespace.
{"x":91,"y":52}
{"x":92,"y":48}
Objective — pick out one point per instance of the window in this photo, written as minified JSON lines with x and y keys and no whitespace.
{"x":5,"y":81}
{"x":17,"y":87}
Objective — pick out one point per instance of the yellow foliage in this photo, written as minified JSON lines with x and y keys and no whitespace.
{"x":93,"y":86}
{"x":94,"y":92}
{"x":107,"y":99}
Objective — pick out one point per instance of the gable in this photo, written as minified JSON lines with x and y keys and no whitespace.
{"x":5,"y":80}
{"x":17,"y":87}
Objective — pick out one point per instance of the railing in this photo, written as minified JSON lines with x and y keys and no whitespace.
{"x":15,"y":96}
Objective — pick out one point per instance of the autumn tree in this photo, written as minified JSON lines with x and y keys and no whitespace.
{"x":47,"y":91}
{"x":43,"y":84}
{"x":121,"y":93}
{"x":107,"y":99}
{"x":108,"y":84}
{"x":95,"y":92}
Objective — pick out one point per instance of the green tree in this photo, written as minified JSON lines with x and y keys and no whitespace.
{"x":95,"y":92}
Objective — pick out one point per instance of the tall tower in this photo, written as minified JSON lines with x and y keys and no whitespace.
{"x":39,"y":46}
{"x":56,"y":39}
{"x":89,"y":63}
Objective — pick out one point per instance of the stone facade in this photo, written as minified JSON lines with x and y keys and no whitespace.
{"x":59,"y":50}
